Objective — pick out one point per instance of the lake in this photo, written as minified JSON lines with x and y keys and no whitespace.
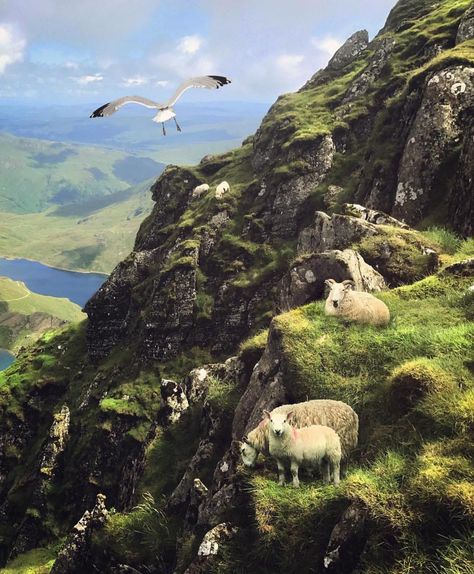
{"x":77,"y":287}
{"x":6,"y":359}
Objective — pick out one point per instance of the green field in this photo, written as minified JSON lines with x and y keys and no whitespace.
{"x":78,"y":237}
{"x":25,"y":315}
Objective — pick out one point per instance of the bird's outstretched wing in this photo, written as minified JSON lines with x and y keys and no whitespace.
{"x":209,"y":82}
{"x":111,"y":107}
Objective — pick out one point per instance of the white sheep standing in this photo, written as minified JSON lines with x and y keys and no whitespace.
{"x":200,"y":189}
{"x":355,"y":306}
{"x":308,"y":445}
{"x":334,"y":414}
{"x":221,"y":189}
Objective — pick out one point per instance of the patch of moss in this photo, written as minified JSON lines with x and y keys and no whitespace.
{"x":37,"y":561}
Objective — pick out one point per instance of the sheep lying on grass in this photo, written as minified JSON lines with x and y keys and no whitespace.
{"x":355,"y":306}
{"x":334,"y":414}
{"x":200,"y":189}
{"x":311,"y":446}
{"x":221,"y":189}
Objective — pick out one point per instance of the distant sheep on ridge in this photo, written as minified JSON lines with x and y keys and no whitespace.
{"x":200,"y":189}
{"x":221,"y":189}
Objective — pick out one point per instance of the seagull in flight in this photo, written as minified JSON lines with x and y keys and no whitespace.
{"x":165,"y":110}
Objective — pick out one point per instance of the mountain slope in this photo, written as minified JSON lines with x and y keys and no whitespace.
{"x":127,"y":405}
{"x":24,"y":315}
{"x":38,"y":174}
{"x":92,"y":235}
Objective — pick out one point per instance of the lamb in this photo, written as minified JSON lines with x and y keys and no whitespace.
{"x":355,"y":306}
{"x":308,"y":445}
{"x":221,"y":189}
{"x":334,"y":414}
{"x":200,"y":189}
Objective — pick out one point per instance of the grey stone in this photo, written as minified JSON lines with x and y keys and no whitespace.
{"x":350,"y":50}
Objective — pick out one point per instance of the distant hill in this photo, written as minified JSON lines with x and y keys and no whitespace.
{"x":36,"y":174}
{"x":25,"y":315}
{"x":93,"y":235}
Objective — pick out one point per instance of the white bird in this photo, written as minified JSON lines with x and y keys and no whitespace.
{"x":166,"y":111}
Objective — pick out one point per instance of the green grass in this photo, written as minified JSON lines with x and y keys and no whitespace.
{"x":38,"y":561}
{"x":18,"y":304}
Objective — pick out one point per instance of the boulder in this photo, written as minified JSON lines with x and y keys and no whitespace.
{"x":466,"y":26}
{"x":305,"y":280}
{"x":209,"y":548}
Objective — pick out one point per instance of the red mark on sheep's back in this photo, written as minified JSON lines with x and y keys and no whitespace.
{"x":294,"y":432}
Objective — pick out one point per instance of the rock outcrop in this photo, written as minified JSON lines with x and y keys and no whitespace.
{"x":433,"y":137}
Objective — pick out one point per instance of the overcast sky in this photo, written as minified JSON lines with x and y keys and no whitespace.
{"x":93,"y":50}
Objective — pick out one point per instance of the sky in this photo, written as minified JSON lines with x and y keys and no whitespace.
{"x":67,"y":51}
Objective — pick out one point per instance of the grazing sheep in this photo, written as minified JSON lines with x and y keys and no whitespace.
{"x":355,"y":306}
{"x":200,"y":189}
{"x":334,"y":414}
{"x":308,"y":445}
{"x":221,"y":189}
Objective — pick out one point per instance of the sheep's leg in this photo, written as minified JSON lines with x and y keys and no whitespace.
{"x":281,"y":473}
{"x":294,"y":474}
{"x":336,"y":468}
{"x":177,"y":125}
{"x":326,"y":472}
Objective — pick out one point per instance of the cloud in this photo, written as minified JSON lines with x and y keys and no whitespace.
{"x":135,"y":81}
{"x":189,"y":44}
{"x":12,"y":46}
{"x":328,"y":44}
{"x":162,"y":83}
{"x":71,"y":65}
{"x":84,"y":80}
{"x":289,"y":62}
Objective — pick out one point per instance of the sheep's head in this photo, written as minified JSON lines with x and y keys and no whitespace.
{"x":248,"y":453}
{"x":337,"y":291}
{"x":278,"y":422}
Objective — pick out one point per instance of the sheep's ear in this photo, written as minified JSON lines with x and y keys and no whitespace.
{"x":266,"y":414}
{"x":329,"y":282}
{"x":348,"y":283}
{"x":289,"y":414}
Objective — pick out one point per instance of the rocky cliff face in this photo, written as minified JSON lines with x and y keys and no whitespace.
{"x":330,"y":186}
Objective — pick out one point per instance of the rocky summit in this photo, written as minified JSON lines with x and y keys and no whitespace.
{"x":119,"y":435}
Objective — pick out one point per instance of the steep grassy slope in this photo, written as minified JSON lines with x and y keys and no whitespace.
{"x":24,"y":315}
{"x":93,"y":235}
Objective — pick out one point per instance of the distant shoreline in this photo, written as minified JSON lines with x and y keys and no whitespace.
{"x":11,"y":258}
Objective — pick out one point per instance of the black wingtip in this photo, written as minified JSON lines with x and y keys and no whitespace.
{"x":99,"y":112}
{"x":221,"y":80}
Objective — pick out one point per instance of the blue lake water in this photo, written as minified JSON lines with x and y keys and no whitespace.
{"x":77,"y":287}
{"x":6,"y":359}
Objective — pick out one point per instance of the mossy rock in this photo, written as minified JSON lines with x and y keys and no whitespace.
{"x":413,"y":380}
{"x":401,"y":256}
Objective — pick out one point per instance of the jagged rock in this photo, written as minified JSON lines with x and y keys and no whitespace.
{"x":282,"y":218}
{"x":74,"y":558}
{"x":382,"y":49}
{"x":336,"y":232}
{"x":466,"y":27}
{"x":58,"y":436}
{"x":350,"y":50}
{"x":332,"y":194}
{"x":32,"y":529}
{"x":372,"y":215}
{"x":209,"y":547}
{"x":461,"y":204}
{"x":196,"y":384}
{"x":347,"y":540}
{"x":305,"y":280}
{"x":464,"y":268}
{"x":175,"y":400}
{"x":211,"y":232}
{"x":434,"y":134}
{"x":171,"y":313}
